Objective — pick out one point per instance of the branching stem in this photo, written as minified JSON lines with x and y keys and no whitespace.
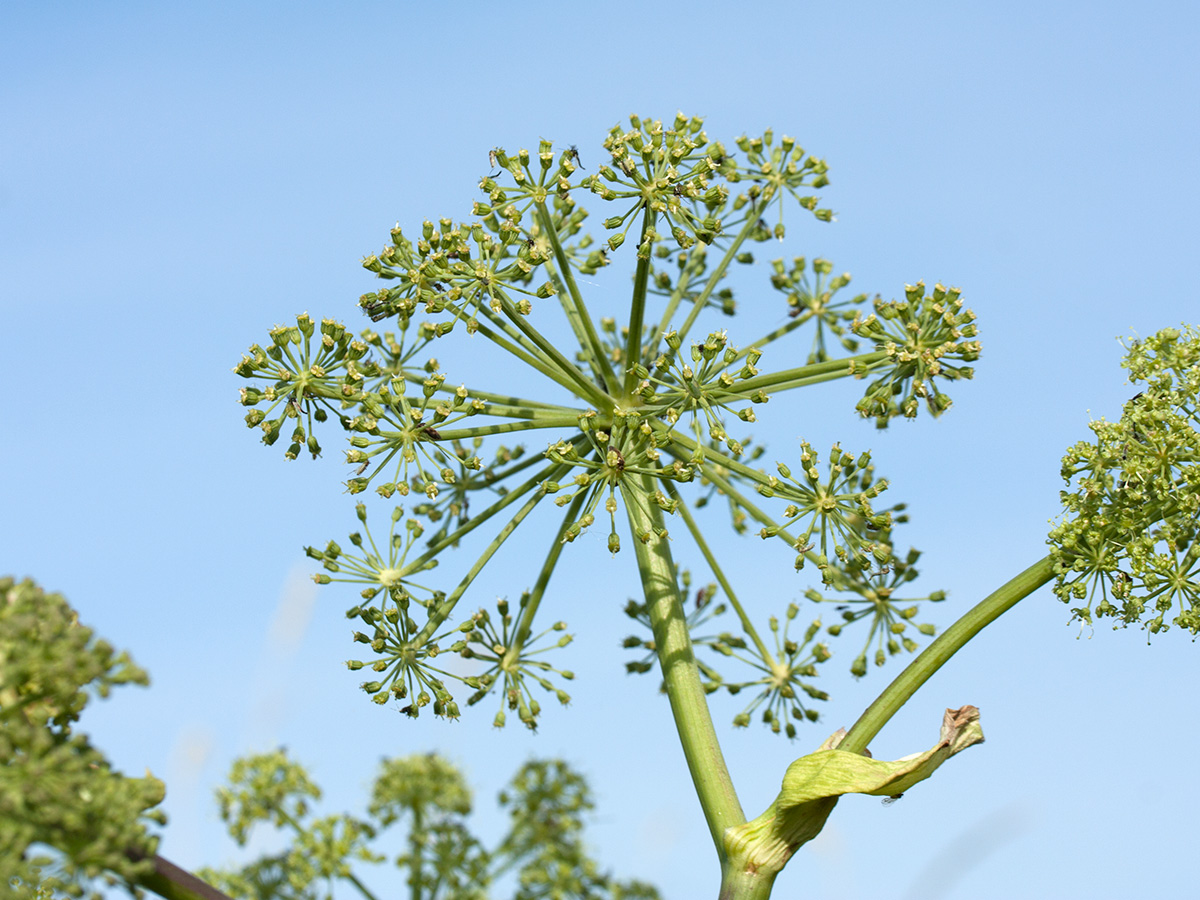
{"x":953,"y":639}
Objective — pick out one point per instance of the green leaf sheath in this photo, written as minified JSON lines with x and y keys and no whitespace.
{"x":685,"y":692}
{"x":945,"y":646}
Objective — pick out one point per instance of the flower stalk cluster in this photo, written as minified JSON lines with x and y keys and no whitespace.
{"x":653,"y":413}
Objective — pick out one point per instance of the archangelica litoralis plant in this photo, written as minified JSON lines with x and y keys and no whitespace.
{"x":640,"y":423}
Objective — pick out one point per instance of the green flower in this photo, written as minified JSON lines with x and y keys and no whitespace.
{"x":307,"y":378}
{"x":511,"y":660}
{"x":874,"y":597}
{"x":1127,"y":546}
{"x":785,"y":677}
{"x":835,"y":510}
{"x":633,"y":410}
{"x":921,"y":336}
{"x":815,"y":301}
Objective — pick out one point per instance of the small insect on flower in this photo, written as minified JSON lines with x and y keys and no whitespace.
{"x":573,"y":153}
{"x":492,"y":161}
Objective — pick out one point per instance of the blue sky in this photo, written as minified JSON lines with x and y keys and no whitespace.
{"x":176,"y":179}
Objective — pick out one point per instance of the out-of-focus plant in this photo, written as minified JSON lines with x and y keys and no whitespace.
{"x":71,"y":826}
{"x":69,"y":823}
{"x":542,"y":854}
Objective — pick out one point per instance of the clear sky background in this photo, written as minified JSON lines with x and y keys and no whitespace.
{"x":175,"y":179}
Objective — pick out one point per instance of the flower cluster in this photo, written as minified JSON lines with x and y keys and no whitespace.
{"x":816,"y":300}
{"x":69,"y":821}
{"x":873,"y":596}
{"x":920,"y":335}
{"x":785,"y":674}
{"x":1128,"y":545}
{"x":837,"y":511}
{"x":782,"y":675}
{"x":304,"y":379}
{"x":428,"y":800}
{"x":636,"y":409}
{"x":510,"y":654}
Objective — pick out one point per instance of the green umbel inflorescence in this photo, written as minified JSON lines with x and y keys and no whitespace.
{"x":647,"y":413}
{"x":1127,"y":547}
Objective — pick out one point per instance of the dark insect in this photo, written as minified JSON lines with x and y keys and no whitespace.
{"x":1137,"y":436}
{"x":432,"y":433}
{"x":573,"y":153}
{"x":888,"y":801}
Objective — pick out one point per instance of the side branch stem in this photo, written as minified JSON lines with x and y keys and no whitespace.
{"x":988,"y":610}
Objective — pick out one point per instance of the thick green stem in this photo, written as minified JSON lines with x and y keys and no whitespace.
{"x":739,"y":884}
{"x":681,"y":675}
{"x":936,"y":654}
